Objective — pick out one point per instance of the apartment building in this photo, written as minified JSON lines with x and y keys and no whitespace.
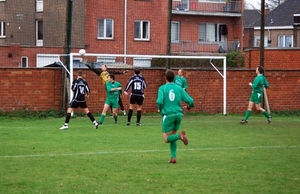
{"x":34,"y":32}
{"x":281,"y":26}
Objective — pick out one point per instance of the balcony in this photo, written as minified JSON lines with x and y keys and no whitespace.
{"x":194,"y":7}
{"x":188,"y":46}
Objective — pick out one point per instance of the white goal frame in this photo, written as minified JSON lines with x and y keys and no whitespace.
{"x":158,"y":56}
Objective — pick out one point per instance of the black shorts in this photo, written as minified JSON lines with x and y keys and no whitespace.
{"x":75,"y":104}
{"x":136,"y":100}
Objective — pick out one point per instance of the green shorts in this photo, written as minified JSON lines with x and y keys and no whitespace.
{"x":256,"y":97}
{"x":112,"y":102}
{"x":171,"y":122}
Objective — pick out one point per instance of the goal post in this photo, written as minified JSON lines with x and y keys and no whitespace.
{"x":144,"y":60}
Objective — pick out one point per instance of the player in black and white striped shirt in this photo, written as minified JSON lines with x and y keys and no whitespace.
{"x":137,"y":84}
{"x":81,"y":90}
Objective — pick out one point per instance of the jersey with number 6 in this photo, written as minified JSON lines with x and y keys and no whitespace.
{"x":169,"y":99}
{"x":137,"y":84}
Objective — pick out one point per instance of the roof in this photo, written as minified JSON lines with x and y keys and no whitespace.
{"x":283,"y":15}
{"x":250,"y":17}
{"x":97,"y":65}
{"x":76,"y":64}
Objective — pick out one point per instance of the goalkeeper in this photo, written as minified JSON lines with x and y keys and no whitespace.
{"x":103,"y":74}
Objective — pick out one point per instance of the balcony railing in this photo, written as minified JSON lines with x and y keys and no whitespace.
{"x":196,"y":47}
{"x":196,"y":6}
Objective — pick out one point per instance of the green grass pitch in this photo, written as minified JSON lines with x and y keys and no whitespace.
{"x":223,"y":156}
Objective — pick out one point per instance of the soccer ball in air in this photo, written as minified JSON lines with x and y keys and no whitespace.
{"x":82,"y":52}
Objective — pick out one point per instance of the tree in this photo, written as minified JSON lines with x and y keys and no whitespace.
{"x":272,"y":4}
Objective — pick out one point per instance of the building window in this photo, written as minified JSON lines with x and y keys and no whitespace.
{"x":212,"y":33}
{"x":142,"y":30}
{"x":24,"y":61}
{"x":175,"y":29}
{"x":224,"y":1}
{"x":257,"y":41}
{"x":285,"y":41}
{"x":2,"y":29}
{"x":46,"y":59}
{"x":207,"y":32}
{"x":105,"y":28}
{"x":39,"y":5}
{"x":39,"y":33}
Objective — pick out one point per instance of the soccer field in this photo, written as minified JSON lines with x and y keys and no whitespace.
{"x":222,"y":156}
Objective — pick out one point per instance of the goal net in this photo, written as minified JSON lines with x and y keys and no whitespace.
{"x":128,"y":61}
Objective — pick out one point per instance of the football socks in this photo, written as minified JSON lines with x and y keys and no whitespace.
{"x":173,"y":137}
{"x":248,"y":113}
{"x":173,"y":147}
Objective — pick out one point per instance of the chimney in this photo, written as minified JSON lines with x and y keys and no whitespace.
{"x":267,"y":9}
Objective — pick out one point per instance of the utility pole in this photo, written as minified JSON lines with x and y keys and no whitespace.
{"x":169,"y":33}
{"x":69,"y":30}
{"x":262,"y":33}
{"x":67,"y":50}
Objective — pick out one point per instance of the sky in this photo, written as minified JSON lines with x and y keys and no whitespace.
{"x":255,"y":3}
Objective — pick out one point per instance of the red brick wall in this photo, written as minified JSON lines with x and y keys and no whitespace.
{"x":40,"y":89}
{"x":37,"y":89}
{"x":273,"y":58}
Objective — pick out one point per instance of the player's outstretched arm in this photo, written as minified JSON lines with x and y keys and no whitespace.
{"x":98,"y":72}
{"x":117,"y":72}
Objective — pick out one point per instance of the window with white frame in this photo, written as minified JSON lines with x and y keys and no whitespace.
{"x":2,"y":29}
{"x":212,"y":33}
{"x":105,"y":28}
{"x":39,"y":33}
{"x":24,"y":61}
{"x":285,"y":41}
{"x":207,"y":32}
{"x":257,"y":41}
{"x":214,"y":1}
{"x":46,"y":59}
{"x":39,"y":5}
{"x":141,"y":30}
{"x":175,"y":29}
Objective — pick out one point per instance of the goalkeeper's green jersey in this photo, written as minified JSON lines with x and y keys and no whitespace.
{"x":259,"y":82}
{"x":109,"y":86}
{"x":169,"y":99}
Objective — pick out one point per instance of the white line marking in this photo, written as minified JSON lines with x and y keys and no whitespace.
{"x":145,"y":151}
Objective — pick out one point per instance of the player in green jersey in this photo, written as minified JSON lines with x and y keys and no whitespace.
{"x":112,"y":97}
{"x":257,"y":91}
{"x":180,"y":79}
{"x":103,"y":74}
{"x":168,"y":101}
